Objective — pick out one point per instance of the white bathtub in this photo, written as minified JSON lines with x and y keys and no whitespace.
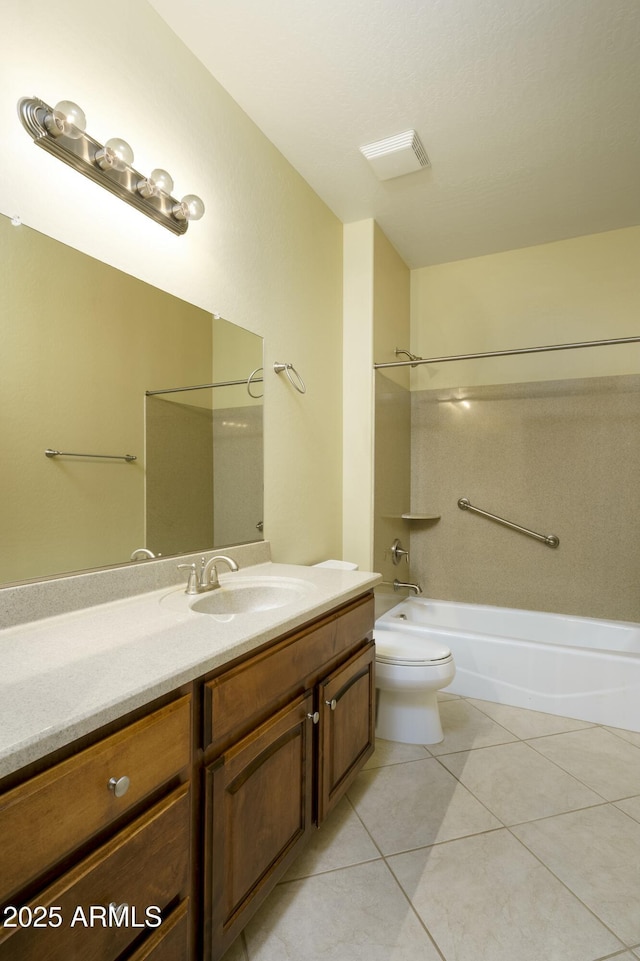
{"x":572,"y":666}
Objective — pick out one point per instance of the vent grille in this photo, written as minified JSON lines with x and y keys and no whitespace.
{"x":396,"y":156}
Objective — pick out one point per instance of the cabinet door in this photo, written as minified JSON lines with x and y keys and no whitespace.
{"x":258,"y":809}
{"x":347,"y":724}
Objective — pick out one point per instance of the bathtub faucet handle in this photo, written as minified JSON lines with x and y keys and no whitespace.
{"x":397,"y":552}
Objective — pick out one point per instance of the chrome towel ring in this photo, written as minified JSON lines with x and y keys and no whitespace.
{"x":254,"y":379}
{"x":295,"y":380}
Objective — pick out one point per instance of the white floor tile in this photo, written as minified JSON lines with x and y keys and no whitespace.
{"x":632,"y":736}
{"x":517,"y":784}
{"x":358,"y":914}
{"x":465,"y":727}
{"x":409,"y":805}
{"x":596,"y":853}
{"x":630,"y":806}
{"x":390,"y":752}
{"x":625,"y":956}
{"x":487,"y":898}
{"x":339,"y":842}
{"x":524,"y":723}
{"x":601,"y":760}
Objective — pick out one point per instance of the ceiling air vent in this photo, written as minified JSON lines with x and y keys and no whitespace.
{"x":396,"y":156}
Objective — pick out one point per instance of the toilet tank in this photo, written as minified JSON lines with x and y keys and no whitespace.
{"x":338,"y":565}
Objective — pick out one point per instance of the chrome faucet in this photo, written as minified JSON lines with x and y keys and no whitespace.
{"x":141,"y":552}
{"x":207,"y":578}
{"x":209,"y":572}
{"x":412,"y":587}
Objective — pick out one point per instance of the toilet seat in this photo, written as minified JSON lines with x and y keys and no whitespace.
{"x":395,"y":647}
{"x":410,"y":670}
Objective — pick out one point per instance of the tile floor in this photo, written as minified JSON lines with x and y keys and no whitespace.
{"x":516,"y":839}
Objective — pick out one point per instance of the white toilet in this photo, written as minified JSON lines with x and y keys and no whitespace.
{"x":410,"y":670}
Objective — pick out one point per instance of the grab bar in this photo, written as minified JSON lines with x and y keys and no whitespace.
{"x":549,"y":539}
{"x":66,"y":453}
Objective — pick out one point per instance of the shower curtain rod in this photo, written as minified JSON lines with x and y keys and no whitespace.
{"x":506,"y":353}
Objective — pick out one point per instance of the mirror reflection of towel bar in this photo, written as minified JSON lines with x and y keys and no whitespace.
{"x":549,"y":539}
{"x":66,"y":453}
{"x":247,"y":381}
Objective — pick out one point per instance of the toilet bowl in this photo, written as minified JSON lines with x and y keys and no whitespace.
{"x":410,"y":670}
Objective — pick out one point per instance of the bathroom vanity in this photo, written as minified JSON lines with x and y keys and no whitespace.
{"x":158,"y":834}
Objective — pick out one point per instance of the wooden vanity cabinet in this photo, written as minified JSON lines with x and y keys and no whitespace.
{"x":192,"y":807}
{"x":97,"y":849}
{"x":286,"y":731}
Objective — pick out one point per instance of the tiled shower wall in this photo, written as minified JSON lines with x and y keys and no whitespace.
{"x":238,"y":476}
{"x":559,"y":457}
{"x":179,"y":476}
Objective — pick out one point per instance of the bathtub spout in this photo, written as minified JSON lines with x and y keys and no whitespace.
{"x":412,"y":587}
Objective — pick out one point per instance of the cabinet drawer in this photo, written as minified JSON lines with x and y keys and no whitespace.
{"x":241,"y":697}
{"x":170,"y":942}
{"x":144,"y":866}
{"x":355,"y":624}
{"x":47,"y":817}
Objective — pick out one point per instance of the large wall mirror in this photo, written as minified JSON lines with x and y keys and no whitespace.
{"x":95,"y":362}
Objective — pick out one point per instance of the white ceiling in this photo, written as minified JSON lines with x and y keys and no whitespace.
{"x":529,"y":110}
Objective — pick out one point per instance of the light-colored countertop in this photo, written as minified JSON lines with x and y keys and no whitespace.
{"x":65,"y":676}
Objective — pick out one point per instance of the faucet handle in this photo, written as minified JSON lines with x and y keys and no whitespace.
{"x":397,"y":552}
{"x":192,"y":582}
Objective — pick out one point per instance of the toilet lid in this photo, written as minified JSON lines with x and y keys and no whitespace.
{"x":395,"y":647}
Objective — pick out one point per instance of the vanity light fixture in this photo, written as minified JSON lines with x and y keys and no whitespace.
{"x":61,"y":131}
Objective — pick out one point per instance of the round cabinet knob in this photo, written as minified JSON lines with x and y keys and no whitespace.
{"x":315,"y":717}
{"x":118,"y":910}
{"x":119,"y":786}
{"x":332,"y":703}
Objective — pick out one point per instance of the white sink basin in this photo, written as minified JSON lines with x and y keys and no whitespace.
{"x":247,"y":595}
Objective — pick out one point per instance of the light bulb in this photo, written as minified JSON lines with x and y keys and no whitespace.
{"x":67,"y":119}
{"x":158,"y":181}
{"x":115,"y":155}
{"x":189,"y":208}
{"x":162,"y":180}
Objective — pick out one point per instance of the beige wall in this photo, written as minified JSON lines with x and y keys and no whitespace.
{"x":376,"y":319}
{"x":391,"y":319}
{"x":267,"y":255}
{"x":236,"y":354}
{"x":357,"y":501}
{"x":587,"y":288}
{"x":392,"y":409}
